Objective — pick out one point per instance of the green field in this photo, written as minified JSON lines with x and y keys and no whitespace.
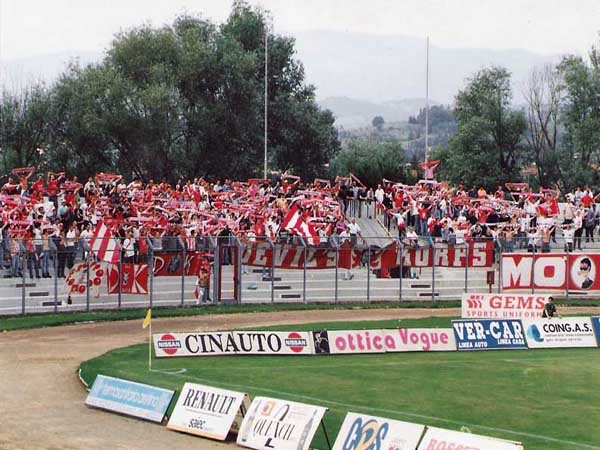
{"x":547,"y":399}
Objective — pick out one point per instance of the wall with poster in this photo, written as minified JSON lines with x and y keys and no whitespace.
{"x":551,"y":271}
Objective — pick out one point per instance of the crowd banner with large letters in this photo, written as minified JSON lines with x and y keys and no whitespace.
{"x":558,"y":333}
{"x":420,"y":340}
{"x":473,"y":254}
{"x":130,"y":398}
{"x":440,"y":439}
{"x":503,"y":306}
{"x":233,"y":343}
{"x":356,"y":341}
{"x":172,"y":264}
{"x":596,"y":324}
{"x":208,"y":411}
{"x":489,"y":334}
{"x":134,"y":279}
{"x":360,"y":431}
{"x":551,"y":272}
{"x":279,"y":424}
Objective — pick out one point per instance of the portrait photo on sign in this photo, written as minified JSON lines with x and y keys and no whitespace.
{"x":583,"y":272}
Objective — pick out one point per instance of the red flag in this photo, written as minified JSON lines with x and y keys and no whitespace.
{"x":134,"y":279}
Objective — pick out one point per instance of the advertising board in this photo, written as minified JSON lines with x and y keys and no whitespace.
{"x":360,"y":431}
{"x":130,"y":398}
{"x":440,"y":439}
{"x":558,"y":333}
{"x":233,"y":343}
{"x":503,"y":306}
{"x":356,"y":341}
{"x":208,"y":411}
{"x":489,"y":334}
{"x":420,"y":340}
{"x":596,"y":324}
{"x":279,"y":424}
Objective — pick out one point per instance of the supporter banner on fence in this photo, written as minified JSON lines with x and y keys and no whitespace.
{"x":360,"y":431}
{"x":440,"y":439}
{"x":503,"y":306}
{"x":596,"y":324}
{"x":279,"y":424}
{"x":551,"y":271}
{"x":77,"y":278}
{"x":173,"y":264}
{"x":233,"y":343}
{"x":134,"y":279}
{"x":556,"y":333}
{"x":208,"y":411}
{"x":356,"y":341}
{"x":474,"y":254}
{"x":489,"y":335}
{"x":420,"y":340}
{"x":133,"y":399}
{"x":293,"y":257}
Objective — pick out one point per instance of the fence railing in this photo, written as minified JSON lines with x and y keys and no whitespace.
{"x":56,"y":275}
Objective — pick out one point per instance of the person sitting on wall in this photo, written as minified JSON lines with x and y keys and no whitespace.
{"x":550,"y":309}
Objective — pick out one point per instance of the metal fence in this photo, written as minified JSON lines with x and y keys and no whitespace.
{"x":171,"y":271}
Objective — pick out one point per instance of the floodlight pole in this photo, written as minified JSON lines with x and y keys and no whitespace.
{"x":266,"y":91}
{"x":427,"y":104}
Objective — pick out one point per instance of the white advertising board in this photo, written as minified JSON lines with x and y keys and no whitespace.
{"x":420,"y":340}
{"x":557,"y":333}
{"x":503,"y":306}
{"x":207,"y":411}
{"x":440,"y":439}
{"x":360,"y":431}
{"x":233,"y":343}
{"x":356,"y":341}
{"x":279,"y":424}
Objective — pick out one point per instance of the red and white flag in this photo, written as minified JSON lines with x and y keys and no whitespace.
{"x":103,"y":245}
{"x":295,"y":223}
{"x":134,"y":279}
{"x":77,"y":279}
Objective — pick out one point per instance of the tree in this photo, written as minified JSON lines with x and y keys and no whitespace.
{"x":186,"y":100}
{"x":543,"y":93}
{"x":489,"y":141}
{"x":370,"y":162}
{"x":378,"y":123}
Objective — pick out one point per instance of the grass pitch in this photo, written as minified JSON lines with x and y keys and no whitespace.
{"x":547,"y":399}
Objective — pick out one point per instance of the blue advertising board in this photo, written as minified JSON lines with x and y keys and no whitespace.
{"x":472,"y":335}
{"x":127,"y":397}
{"x":596,"y":324}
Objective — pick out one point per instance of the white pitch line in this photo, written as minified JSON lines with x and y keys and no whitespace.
{"x":387,"y":411}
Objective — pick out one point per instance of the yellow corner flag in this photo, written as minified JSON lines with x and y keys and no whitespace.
{"x":148,"y":319}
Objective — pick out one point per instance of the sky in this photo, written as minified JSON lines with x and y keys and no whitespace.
{"x":37,"y":27}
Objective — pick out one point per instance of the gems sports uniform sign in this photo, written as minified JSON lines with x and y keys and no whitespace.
{"x":360,"y":431}
{"x":439,"y":439}
{"x":503,"y":306}
{"x":279,"y":424}
{"x":489,"y":335}
{"x":130,"y":398}
{"x":207,"y":411}
{"x":556,"y":333}
{"x":232,"y":343}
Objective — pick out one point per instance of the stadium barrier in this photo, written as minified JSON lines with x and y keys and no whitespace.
{"x":51,"y":277}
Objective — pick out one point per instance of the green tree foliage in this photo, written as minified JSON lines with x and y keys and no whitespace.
{"x":488,"y":146}
{"x":370,"y":162}
{"x":581,"y":119}
{"x":25,"y":126}
{"x":187,"y":100}
{"x":378,"y":122}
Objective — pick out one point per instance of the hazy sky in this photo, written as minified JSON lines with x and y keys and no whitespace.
{"x":35,"y":27}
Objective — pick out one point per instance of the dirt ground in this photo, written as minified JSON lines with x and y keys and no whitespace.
{"x":42,"y":400}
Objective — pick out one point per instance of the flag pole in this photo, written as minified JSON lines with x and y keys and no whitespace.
{"x":150,"y":347}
